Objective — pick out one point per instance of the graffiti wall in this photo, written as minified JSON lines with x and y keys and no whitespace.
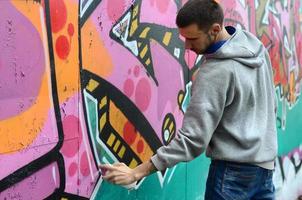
{"x":85,"y":82}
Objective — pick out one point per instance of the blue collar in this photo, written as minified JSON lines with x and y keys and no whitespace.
{"x":214,"y":47}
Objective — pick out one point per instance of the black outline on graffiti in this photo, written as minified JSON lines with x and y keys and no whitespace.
{"x":88,"y":12}
{"x":126,"y":106}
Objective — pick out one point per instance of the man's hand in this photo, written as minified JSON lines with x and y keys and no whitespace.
{"x":121,"y":174}
{"x":118,"y":173}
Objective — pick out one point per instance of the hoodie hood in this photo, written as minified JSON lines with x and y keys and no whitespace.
{"x":242,"y":47}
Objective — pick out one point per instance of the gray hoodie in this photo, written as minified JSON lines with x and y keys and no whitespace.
{"x":232,"y":113}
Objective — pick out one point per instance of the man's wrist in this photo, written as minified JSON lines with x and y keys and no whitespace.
{"x":143,"y":170}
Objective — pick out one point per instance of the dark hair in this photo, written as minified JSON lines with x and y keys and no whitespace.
{"x":204,"y":13}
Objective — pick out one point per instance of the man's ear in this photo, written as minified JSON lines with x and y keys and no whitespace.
{"x":215,"y":29}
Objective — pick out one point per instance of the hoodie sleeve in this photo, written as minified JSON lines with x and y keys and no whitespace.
{"x":212,"y":90}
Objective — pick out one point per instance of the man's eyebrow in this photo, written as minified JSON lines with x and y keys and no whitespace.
{"x":192,"y":38}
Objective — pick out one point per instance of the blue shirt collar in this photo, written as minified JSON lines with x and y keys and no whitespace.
{"x":214,"y":47}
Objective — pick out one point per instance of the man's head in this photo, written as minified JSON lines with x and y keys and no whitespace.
{"x":200,"y":22}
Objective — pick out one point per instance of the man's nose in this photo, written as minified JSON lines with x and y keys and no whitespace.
{"x":188,"y":45}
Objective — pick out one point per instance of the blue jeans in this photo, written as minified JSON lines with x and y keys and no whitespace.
{"x":235,"y":181}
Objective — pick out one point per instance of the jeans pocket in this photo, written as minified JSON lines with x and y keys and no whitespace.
{"x":238,"y":181}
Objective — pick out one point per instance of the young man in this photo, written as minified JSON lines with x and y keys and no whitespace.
{"x":231,"y":115}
